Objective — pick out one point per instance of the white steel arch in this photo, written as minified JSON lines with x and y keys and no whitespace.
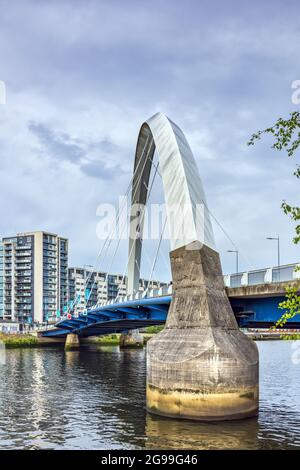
{"x":186,"y":208}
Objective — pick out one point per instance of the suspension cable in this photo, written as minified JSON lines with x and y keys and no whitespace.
{"x":135,"y":187}
{"x":224,"y":232}
{"x":156,"y":255}
{"x":108,"y":238}
{"x":143,"y":211}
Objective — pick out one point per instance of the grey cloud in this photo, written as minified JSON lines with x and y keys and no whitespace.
{"x":220,"y":70}
{"x":90,"y":157}
{"x":104,"y":145}
{"x":56,"y":145}
{"x":100,"y":170}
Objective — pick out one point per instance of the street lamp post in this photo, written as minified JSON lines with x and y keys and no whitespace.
{"x":278,"y":248}
{"x":236,"y":258}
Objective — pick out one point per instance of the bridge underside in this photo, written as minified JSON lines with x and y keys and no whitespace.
{"x":115,"y":318}
{"x":259,"y":312}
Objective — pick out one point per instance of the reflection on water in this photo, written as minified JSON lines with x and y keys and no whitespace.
{"x":174,"y":434}
{"x":95,"y":398}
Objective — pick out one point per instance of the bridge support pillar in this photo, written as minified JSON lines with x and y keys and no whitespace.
{"x":72,"y":342}
{"x":201,"y":366}
{"x":133,"y":339}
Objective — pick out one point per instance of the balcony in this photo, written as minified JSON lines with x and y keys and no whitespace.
{"x":21,"y":275}
{"x":52,"y":257}
{"x":24,"y":301}
{"x":25,"y":254}
{"x":22,"y":260}
{"x":50,"y":247}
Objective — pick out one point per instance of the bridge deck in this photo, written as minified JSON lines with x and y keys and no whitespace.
{"x":115,"y":318}
{"x":253,"y":305}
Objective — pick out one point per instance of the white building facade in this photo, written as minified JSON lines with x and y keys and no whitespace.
{"x":33,"y":277}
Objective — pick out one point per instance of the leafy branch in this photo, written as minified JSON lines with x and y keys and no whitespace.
{"x":291,"y":305}
{"x":286,"y":134}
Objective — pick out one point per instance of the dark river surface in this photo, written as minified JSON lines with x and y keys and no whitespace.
{"x":95,"y":399}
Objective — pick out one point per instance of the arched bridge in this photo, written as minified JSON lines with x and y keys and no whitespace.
{"x":115,"y":318}
{"x":201,"y":366}
{"x":254,"y":306}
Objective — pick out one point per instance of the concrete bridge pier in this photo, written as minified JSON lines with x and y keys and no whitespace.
{"x":72,"y":342}
{"x":132,"y":339}
{"x":201,"y":366}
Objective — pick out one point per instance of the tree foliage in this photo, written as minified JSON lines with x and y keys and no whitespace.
{"x":286,"y":135}
{"x":291,"y":306}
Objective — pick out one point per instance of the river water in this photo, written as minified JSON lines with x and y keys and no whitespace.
{"x":95,"y":399}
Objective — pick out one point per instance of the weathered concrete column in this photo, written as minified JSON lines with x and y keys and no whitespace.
{"x":201,"y":366}
{"x":133,"y":339}
{"x":72,"y":341}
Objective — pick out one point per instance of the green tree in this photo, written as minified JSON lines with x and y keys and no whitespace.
{"x":286,"y":135}
{"x":291,"y":306}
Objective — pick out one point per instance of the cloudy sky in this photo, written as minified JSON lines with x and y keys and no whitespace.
{"x":82,"y":76}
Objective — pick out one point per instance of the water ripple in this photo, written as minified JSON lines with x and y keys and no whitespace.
{"x":95,"y":398}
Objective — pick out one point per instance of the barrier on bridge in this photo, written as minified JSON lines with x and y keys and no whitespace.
{"x":263,"y":276}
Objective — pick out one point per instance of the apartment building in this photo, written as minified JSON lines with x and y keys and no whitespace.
{"x":83,"y":288}
{"x":7,"y":279}
{"x":33,"y":277}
